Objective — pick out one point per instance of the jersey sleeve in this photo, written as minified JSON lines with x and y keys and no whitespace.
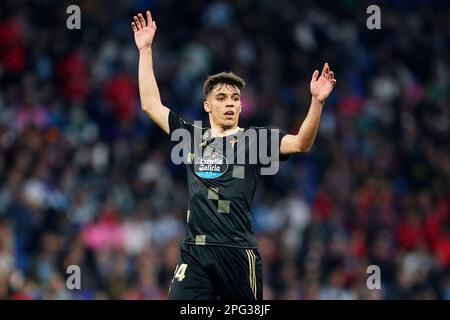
{"x":176,"y":122}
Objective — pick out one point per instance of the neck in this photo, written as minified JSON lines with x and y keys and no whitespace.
{"x":218,"y":131}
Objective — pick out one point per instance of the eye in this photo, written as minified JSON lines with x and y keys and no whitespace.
{"x":221,"y":98}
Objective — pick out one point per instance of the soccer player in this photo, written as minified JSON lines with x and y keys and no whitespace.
{"x":219,"y":255}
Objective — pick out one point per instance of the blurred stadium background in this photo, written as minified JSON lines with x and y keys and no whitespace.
{"x":86,"y":178}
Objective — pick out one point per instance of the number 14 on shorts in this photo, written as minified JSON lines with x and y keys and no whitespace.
{"x":180,"y":271}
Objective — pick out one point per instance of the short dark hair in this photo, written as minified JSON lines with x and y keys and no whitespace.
{"x":228,"y":78}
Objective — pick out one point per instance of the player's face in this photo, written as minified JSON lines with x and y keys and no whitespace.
{"x":224,"y":105}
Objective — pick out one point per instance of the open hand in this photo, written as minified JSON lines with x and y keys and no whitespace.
{"x":322,"y":86}
{"x":144,"y":32}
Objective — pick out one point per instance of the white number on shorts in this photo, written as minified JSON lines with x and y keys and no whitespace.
{"x":180,"y":272}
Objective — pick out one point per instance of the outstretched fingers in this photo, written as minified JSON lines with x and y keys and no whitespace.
{"x":328,"y":72}
{"x":325,"y":70}
{"x":142,"y":20}
{"x":137,"y":23}
{"x":149,"y":18}
{"x":332,"y":79}
{"x":315,"y":75}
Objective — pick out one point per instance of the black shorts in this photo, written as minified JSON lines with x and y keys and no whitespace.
{"x":215,"y":272}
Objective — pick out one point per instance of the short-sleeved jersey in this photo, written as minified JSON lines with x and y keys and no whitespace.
{"x":222,"y":176}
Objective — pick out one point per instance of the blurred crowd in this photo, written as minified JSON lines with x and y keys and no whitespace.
{"x":86,"y":178}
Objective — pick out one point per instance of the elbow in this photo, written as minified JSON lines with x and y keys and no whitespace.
{"x":303,"y":143}
{"x":146,"y":108}
{"x":304,"y":147}
{"x":149,"y":105}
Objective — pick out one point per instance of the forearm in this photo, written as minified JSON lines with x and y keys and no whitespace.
{"x":308,"y":130}
{"x":148,"y":88}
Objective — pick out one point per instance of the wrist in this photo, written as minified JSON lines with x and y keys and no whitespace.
{"x":145,"y":49}
{"x":315,"y":101}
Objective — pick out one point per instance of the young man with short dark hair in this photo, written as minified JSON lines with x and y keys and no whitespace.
{"x":219,"y":255}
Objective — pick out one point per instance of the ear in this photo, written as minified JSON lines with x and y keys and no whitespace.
{"x":206,"y":106}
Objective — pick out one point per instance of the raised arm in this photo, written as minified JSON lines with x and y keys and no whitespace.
{"x":321,"y":88}
{"x":144,"y":33}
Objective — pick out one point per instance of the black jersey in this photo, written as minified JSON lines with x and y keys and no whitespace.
{"x":222,"y":176}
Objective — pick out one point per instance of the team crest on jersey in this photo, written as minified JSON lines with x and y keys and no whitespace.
{"x":211,"y":166}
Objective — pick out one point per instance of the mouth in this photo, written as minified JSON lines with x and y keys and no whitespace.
{"x":229,"y":114}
